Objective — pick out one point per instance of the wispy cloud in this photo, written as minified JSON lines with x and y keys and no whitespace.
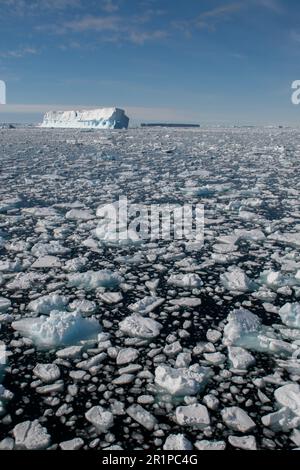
{"x":109,"y":6}
{"x":209,"y":19}
{"x":136,"y":29}
{"x":18,"y":53}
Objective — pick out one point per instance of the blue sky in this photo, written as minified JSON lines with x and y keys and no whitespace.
{"x":207,"y":61}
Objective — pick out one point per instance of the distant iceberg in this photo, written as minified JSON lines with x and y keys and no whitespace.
{"x":102,"y":118}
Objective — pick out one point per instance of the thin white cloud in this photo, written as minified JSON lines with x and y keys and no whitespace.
{"x":18,"y":53}
{"x":109,"y":6}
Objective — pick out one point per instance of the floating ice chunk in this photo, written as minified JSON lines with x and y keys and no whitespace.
{"x":240,"y":358}
{"x":9,"y":204}
{"x":290,"y":239}
{"x":146,"y":305}
{"x":216,"y":358}
{"x":46,"y":262}
{"x":244,"y":442}
{"x":72,"y":352}
{"x":59,"y":329}
{"x":5,"y":396}
{"x":177,"y":442}
{"x":241,"y":323}
{"x":111,"y":297}
{"x":30,"y":435}
{"x":84,"y":306}
{"x":237,"y":281}
{"x":74,"y":444}
{"x":126,"y":356}
{"x":275,"y":279}
{"x":47,"y":303}
{"x":193,"y":415}
{"x":100,"y":418}
{"x":138,"y":326}
{"x":47,"y":373}
{"x":255,"y":235}
{"x":51,"y":248}
{"x":237,"y":419}
{"x":244,"y":329}
{"x":182,"y":381}
{"x":186,"y":302}
{"x":210,"y":445}
{"x":289,"y":396}
{"x":93,"y":279}
{"x":4,"y":304}
{"x":26,"y":281}
{"x":79,"y":214}
{"x":142,"y":416}
{"x":290,"y":315}
{"x":75,"y":264}
{"x":281,"y":421}
{"x":189,"y":281}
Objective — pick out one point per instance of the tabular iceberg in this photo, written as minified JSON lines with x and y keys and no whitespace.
{"x":102,"y":118}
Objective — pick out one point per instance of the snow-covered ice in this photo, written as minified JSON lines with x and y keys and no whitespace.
{"x":102,"y":118}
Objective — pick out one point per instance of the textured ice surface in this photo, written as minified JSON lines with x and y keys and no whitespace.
{"x":138,"y":326}
{"x":244,"y":329}
{"x":182,"y":381}
{"x":102,"y":118}
{"x":290,"y":315}
{"x":100,"y":418}
{"x":48,"y":303}
{"x":177,"y":442}
{"x":237,"y":419}
{"x":94,"y":279}
{"x":31,"y":436}
{"x":58,"y":329}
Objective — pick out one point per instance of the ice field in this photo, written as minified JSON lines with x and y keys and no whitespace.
{"x":150,"y":344}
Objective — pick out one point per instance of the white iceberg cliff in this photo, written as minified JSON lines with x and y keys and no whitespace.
{"x":101,"y":118}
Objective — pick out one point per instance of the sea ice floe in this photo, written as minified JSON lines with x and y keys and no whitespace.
{"x":47,"y":303}
{"x":290,"y":315}
{"x":146,"y":305}
{"x":288,"y":396}
{"x":237,"y":419}
{"x":93,"y":279}
{"x":237,"y":281}
{"x":182,"y":381}
{"x":283,"y":420}
{"x":4,"y":304}
{"x":30,"y":435}
{"x":244,"y":329}
{"x":195,"y":415}
{"x":142,"y":416}
{"x":101,"y":419}
{"x":47,"y":373}
{"x":177,"y":442}
{"x":141,"y":327}
{"x":127,"y":356}
{"x":79,"y":214}
{"x":275,"y":279}
{"x":188,"y":281}
{"x":243,"y":442}
{"x":240,"y":358}
{"x":58,"y":329}
{"x":87,"y":307}
{"x":210,"y":445}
